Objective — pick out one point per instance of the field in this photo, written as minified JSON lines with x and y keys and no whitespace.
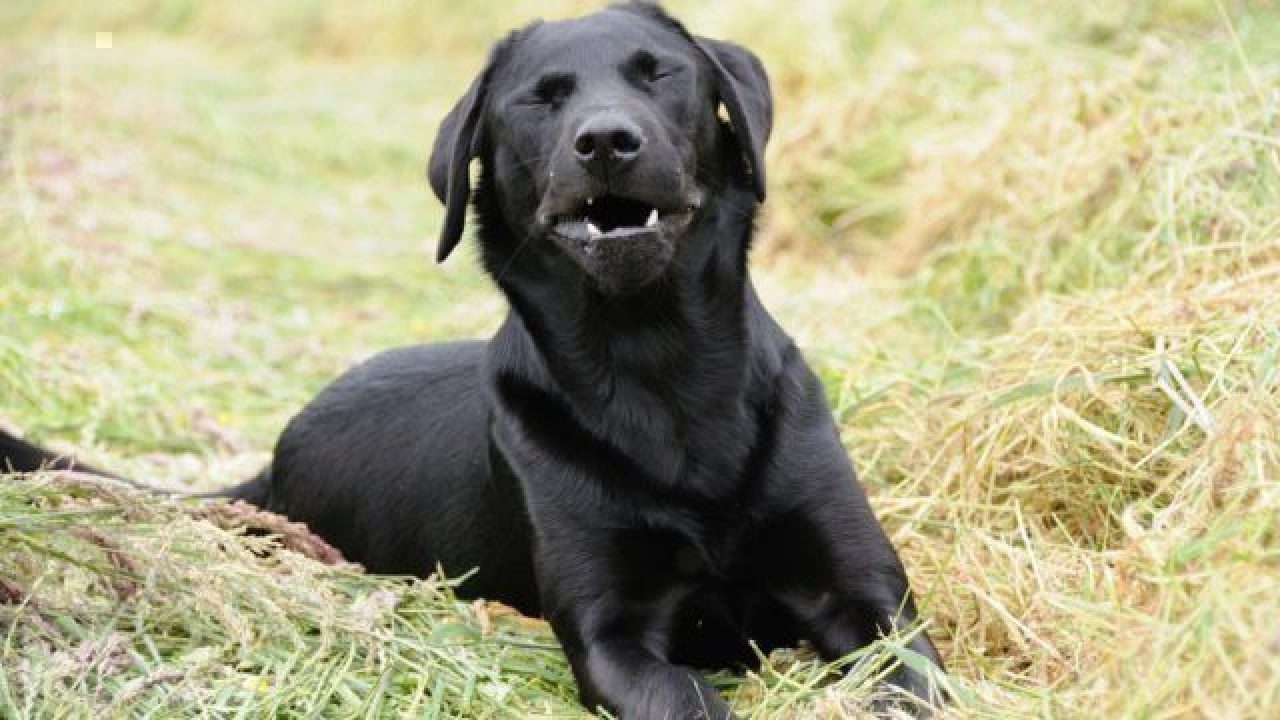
{"x":1032,"y":247}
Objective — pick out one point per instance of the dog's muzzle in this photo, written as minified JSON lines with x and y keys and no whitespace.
{"x":622,"y":243}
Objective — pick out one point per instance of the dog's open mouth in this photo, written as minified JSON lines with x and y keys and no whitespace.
{"x":622,"y":243}
{"x":609,"y":216}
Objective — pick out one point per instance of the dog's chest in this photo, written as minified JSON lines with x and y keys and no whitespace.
{"x":703,"y":451}
{"x":710,"y":592}
{"x":711,"y":552}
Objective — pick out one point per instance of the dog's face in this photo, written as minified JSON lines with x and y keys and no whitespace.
{"x":602,"y":135}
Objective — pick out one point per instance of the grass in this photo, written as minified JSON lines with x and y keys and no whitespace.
{"x":1032,"y":248}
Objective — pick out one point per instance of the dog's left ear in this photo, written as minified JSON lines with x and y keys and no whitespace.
{"x":743,"y":87}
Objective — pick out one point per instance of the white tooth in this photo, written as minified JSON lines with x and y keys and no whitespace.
{"x":653,"y":218}
{"x":592,"y":230}
{"x":590,"y":200}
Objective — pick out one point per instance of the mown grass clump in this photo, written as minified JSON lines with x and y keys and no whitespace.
{"x":1032,"y":248}
{"x":116,"y":603}
{"x":127,"y":605}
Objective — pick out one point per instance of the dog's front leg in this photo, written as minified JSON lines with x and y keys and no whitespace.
{"x":622,"y":676}
{"x":825,"y":555}
{"x":616,"y":644}
{"x":832,"y":566}
{"x":608,"y":588}
{"x":846,"y":586}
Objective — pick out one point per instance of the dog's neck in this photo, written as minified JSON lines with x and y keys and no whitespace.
{"x":689,"y":321}
{"x":657,"y":367}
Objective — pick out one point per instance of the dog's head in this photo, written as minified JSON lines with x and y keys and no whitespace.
{"x":603,"y":135}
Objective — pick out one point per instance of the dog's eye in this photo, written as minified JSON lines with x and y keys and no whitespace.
{"x":647,"y":67}
{"x":554,"y":89}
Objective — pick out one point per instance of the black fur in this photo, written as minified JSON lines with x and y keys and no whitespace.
{"x":640,"y":453}
{"x":19,"y":455}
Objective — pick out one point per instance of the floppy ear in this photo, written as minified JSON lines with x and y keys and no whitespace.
{"x":458,"y":141}
{"x":743,"y":87}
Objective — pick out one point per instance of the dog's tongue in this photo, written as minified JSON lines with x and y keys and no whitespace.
{"x":594,"y":231}
{"x":609,"y":213}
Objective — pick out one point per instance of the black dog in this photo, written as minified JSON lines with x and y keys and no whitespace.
{"x":640,"y":453}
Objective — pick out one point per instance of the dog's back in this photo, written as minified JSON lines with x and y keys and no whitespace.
{"x":400,"y":445}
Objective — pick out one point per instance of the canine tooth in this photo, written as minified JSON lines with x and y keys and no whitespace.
{"x":653,"y":218}
{"x":592,"y":230}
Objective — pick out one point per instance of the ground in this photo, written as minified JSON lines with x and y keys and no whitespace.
{"x":1032,"y":248}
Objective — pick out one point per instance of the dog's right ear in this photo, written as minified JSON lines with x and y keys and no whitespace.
{"x":458,"y":141}
{"x":449,"y":169}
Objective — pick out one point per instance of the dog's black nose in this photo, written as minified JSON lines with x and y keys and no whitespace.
{"x":608,"y":141}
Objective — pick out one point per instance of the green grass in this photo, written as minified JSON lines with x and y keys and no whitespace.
{"x":1033,"y":248}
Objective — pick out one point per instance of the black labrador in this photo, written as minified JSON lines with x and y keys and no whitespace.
{"x":640,"y":454}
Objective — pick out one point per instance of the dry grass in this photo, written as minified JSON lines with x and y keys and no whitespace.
{"x":1033,"y":249}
